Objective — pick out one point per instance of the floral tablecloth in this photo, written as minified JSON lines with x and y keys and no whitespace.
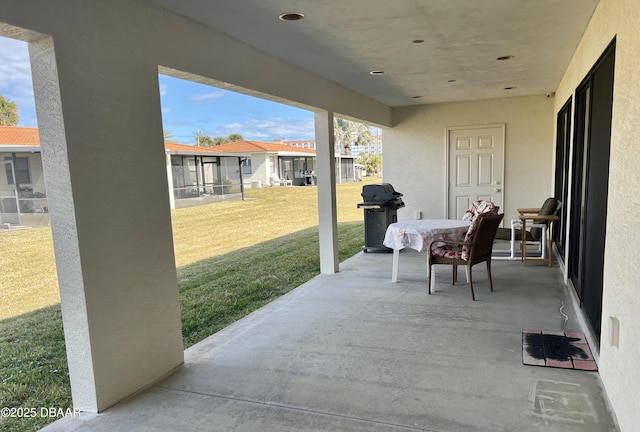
{"x":417,"y":234}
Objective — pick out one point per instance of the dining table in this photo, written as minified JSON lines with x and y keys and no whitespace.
{"x":418,"y":234}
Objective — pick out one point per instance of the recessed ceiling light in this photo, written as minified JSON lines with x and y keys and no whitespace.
{"x":509,"y":88}
{"x":507,"y":57}
{"x":418,"y":41}
{"x":376,"y":72}
{"x":291,"y":16}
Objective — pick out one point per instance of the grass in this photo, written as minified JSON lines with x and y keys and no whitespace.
{"x":218,"y":291}
{"x":27,"y":265}
{"x":33,"y":367}
{"x":225,"y":272}
{"x":27,"y":271}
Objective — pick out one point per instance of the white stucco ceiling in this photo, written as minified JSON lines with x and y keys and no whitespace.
{"x":342,"y":40}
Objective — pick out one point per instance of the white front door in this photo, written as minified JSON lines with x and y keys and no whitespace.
{"x":476,"y":167}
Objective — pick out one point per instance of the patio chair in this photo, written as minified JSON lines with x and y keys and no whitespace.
{"x":541,"y":221}
{"x":476,"y":248}
{"x":277,"y":181}
{"x":479,"y":207}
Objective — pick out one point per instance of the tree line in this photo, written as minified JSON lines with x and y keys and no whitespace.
{"x":207,"y":141}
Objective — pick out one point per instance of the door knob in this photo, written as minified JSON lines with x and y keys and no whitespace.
{"x":496,"y":190}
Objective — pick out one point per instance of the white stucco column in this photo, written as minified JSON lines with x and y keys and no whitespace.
{"x":327,"y":208}
{"x":98,"y":108}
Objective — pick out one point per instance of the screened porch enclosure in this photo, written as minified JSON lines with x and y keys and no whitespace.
{"x":205,"y":176}
{"x":301,"y":170}
{"x":23,"y":199}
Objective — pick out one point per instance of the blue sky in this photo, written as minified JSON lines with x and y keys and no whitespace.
{"x":187,"y":107}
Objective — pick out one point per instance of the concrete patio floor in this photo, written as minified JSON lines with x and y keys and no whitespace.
{"x":355,"y":352}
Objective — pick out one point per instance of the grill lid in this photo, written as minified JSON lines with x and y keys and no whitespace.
{"x":379,"y":193}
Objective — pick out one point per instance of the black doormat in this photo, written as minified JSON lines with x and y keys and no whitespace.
{"x":568,"y":350}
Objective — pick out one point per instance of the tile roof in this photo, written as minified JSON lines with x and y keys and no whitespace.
{"x":186,"y":148}
{"x":258,"y":147}
{"x":19,"y":136}
{"x":29,"y":136}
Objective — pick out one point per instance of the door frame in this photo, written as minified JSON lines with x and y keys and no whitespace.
{"x":447,"y":131}
{"x":586,"y":242}
{"x":562,"y":175}
{"x":582,"y":126}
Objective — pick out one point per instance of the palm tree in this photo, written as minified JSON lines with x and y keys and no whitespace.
{"x":224,"y":140}
{"x":219,"y":140}
{"x":8,"y":112}
{"x":372,"y":163}
{"x":348,"y":133}
{"x":205,"y":141}
{"x":235,"y":137}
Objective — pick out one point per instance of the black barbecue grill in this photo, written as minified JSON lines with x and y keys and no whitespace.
{"x":380,"y":205}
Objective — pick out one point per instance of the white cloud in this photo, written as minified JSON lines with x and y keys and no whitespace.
{"x":15,"y":78}
{"x":163,"y":89}
{"x":166,"y":110}
{"x":232,"y":126}
{"x":268,"y":129}
{"x":201,"y":97}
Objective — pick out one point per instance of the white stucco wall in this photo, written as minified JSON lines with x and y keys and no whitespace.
{"x":35,"y":167}
{"x":259,"y":168}
{"x":415,"y":151}
{"x":618,"y":365}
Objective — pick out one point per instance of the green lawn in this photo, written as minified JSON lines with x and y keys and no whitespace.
{"x":224,"y":273}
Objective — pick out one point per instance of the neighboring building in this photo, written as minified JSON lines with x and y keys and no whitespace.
{"x":196,"y":175}
{"x":199,"y":175}
{"x":22,"y":190}
{"x":375,"y":147}
{"x":270,"y":163}
{"x":307,"y":144}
